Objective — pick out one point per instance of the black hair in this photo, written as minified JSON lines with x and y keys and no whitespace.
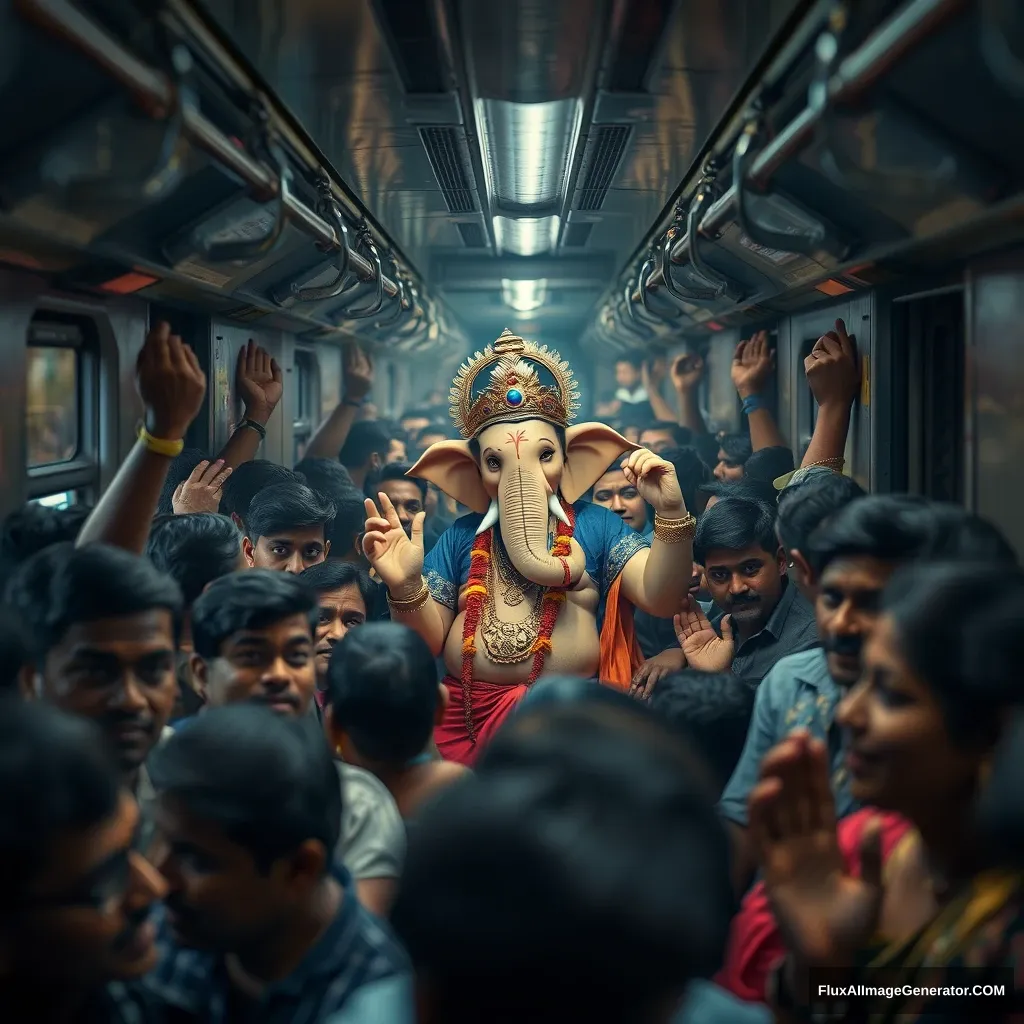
{"x":901,"y":527}
{"x":1001,"y":802}
{"x":691,"y":471}
{"x":194,"y":550}
{"x":474,"y":442}
{"x":15,"y":648}
{"x":400,"y":471}
{"x":382,"y":687}
{"x":711,"y":711}
{"x":747,"y":488}
{"x":805,"y":505}
{"x":327,"y":476}
{"x":567,"y":690}
{"x":285,"y":507}
{"x":734,"y":524}
{"x":681,"y":436}
{"x":420,"y":413}
{"x":737,"y":448}
{"x":63,"y":585}
{"x":267,"y":780}
{"x":253,"y":599}
{"x":179,"y":471}
{"x":365,"y":439}
{"x":554,"y":854}
{"x":434,"y":427}
{"x":247,"y":480}
{"x":29,"y":529}
{"x":334,"y":574}
{"x":635,"y":359}
{"x":348,"y":524}
{"x":972,"y":669}
{"x":768,"y":464}
{"x":56,"y":776}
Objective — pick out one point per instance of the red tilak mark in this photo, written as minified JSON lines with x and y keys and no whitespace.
{"x":517,"y":439}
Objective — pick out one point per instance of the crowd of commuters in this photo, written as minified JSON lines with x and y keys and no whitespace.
{"x":221,"y":801}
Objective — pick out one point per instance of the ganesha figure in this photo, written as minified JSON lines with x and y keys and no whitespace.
{"x":535,"y":579}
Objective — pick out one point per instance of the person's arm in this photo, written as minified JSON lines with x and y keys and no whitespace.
{"x":329,"y":437}
{"x":652,"y":375}
{"x":171,"y":385}
{"x":260,"y":385}
{"x":833,"y":375}
{"x":687,"y":372}
{"x":752,"y":366}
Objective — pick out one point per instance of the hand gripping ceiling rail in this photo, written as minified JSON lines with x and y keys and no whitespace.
{"x":155,"y":94}
{"x":896,"y":37}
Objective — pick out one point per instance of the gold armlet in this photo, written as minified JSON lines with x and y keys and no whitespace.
{"x":414,"y":603}
{"x":674,"y":531}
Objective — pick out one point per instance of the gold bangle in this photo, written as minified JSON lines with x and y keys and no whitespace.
{"x":160,"y":446}
{"x":674,"y":531}
{"x":414,"y":603}
{"x":833,"y":464}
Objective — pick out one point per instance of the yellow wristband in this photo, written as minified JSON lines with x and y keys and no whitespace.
{"x":157,"y":445}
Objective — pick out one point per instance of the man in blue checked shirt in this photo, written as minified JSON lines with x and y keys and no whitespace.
{"x":260,"y":924}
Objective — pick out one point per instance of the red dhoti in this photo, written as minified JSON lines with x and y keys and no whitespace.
{"x":492,"y":703}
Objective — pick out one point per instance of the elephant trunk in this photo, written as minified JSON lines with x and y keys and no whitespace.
{"x":524,"y":506}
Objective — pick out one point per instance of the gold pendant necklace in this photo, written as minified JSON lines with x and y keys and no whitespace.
{"x":509,"y":643}
{"x":514,"y":585}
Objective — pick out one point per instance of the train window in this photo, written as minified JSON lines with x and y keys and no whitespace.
{"x":304,"y":401}
{"x":53,"y":410}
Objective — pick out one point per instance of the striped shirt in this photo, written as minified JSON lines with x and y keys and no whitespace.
{"x":355,"y":950}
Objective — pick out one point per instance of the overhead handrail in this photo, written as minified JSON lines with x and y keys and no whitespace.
{"x":628,"y":318}
{"x":839,"y":168}
{"x":704,"y":273}
{"x":253,"y":249}
{"x":1006,"y":67}
{"x":155,"y":94}
{"x":674,"y":289}
{"x":813,"y":244}
{"x":402,"y":305}
{"x":166,"y":172}
{"x":339,"y":285}
{"x":378,"y":301}
{"x":642,"y":280}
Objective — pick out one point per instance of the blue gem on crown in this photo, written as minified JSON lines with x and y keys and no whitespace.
{"x":514,"y":397}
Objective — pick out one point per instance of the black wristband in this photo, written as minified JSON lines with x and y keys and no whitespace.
{"x":253,"y":425}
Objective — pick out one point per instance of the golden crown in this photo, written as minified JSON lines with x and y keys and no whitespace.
{"x":515,"y":391}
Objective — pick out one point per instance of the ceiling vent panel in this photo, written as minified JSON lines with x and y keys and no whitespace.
{"x":473,"y":236}
{"x":606,"y":146}
{"x":444,"y":145}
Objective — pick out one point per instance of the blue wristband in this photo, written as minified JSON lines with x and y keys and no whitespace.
{"x":751,"y":404}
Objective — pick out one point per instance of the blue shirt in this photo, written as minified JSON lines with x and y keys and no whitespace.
{"x":607,"y":542}
{"x":391,"y":1002}
{"x":355,"y":950}
{"x":798,"y":693}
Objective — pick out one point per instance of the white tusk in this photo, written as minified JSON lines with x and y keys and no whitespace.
{"x":555,"y":508}
{"x":489,"y":519}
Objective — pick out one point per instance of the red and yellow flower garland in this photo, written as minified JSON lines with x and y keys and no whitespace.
{"x":476,"y":594}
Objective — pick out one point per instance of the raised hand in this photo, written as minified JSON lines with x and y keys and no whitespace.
{"x":705,"y":650}
{"x":752,"y":365}
{"x":824,"y":914}
{"x":201,"y":492}
{"x":653,"y":669}
{"x":170,"y":382}
{"x":357,"y":374}
{"x":833,"y":368}
{"x":687,"y":371}
{"x":655,"y":480}
{"x":259,"y":382}
{"x":396,"y":558}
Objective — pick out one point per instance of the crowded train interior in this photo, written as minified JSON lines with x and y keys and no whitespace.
{"x":588,"y":434}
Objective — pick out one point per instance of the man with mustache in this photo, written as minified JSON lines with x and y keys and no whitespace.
{"x":253,"y":634}
{"x":851,"y":555}
{"x":103,"y":626}
{"x":75,"y":930}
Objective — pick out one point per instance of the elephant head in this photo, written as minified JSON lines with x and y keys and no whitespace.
{"x":513,"y":473}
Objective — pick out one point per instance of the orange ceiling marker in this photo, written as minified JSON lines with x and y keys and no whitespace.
{"x":126,"y":284}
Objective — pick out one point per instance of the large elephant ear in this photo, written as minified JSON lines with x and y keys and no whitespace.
{"x":590,"y":448}
{"x":450,"y":466}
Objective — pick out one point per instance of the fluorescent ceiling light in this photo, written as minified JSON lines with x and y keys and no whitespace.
{"x":526,"y":148}
{"x":526,"y":236}
{"x":524,"y":296}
